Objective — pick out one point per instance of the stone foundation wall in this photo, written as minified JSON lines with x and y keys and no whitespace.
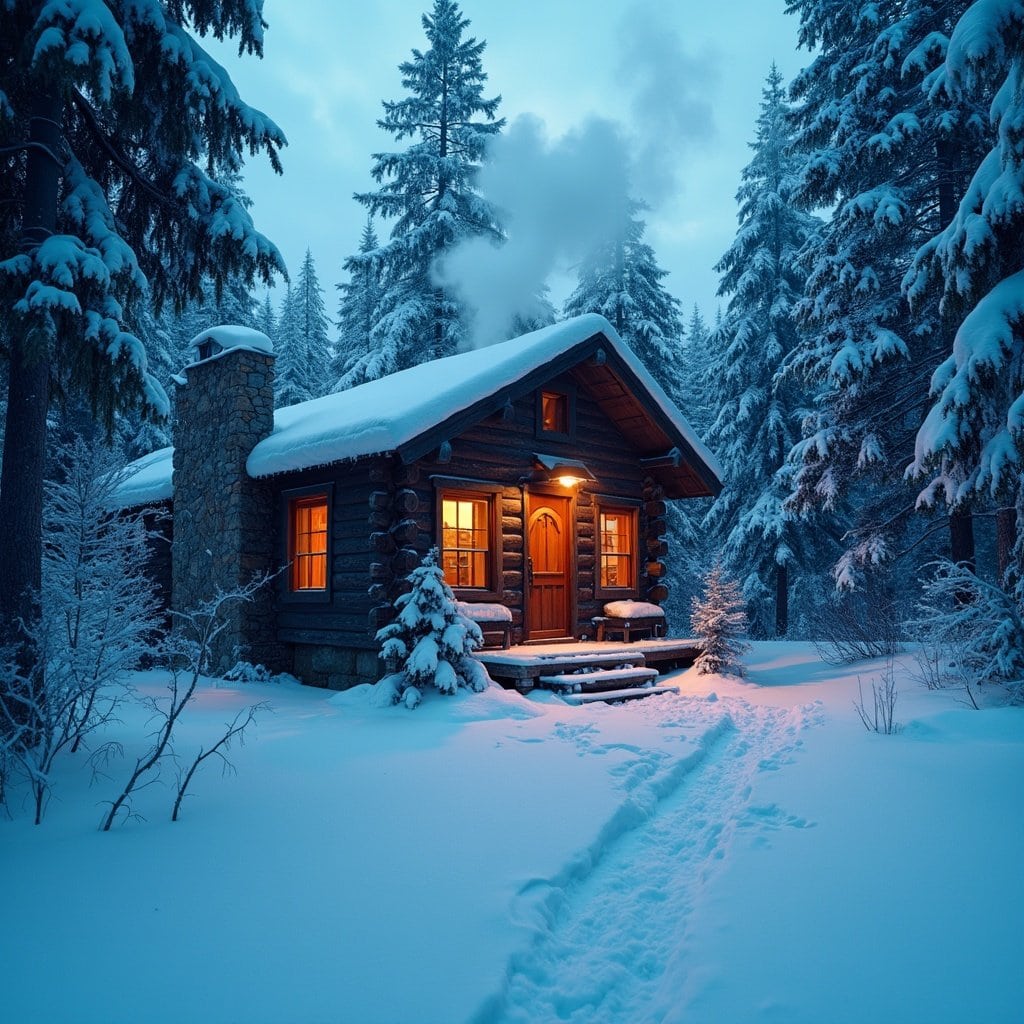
{"x":223,"y":520}
{"x":335,"y":668}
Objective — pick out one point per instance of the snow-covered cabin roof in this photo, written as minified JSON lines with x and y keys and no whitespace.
{"x":404,"y":411}
{"x":230,"y":336}
{"x":147,"y":480}
{"x":389,"y":414}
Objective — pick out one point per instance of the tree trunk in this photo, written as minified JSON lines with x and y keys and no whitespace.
{"x":961,"y":548}
{"x":1006,"y":538}
{"x":781,"y":600}
{"x":961,"y":524}
{"x":21,"y":479}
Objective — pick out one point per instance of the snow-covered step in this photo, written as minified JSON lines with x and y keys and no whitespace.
{"x":630,"y":693}
{"x":600,"y":679}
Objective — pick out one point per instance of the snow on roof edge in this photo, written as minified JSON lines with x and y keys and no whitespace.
{"x":147,"y":479}
{"x":354,"y":424}
{"x":351,"y":424}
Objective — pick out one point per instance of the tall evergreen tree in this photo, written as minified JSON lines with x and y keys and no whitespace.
{"x":429,"y":191}
{"x":888,"y":155}
{"x":972,"y":440}
{"x":357,"y":310}
{"x":314,"y":327}
{"x":694,"y":395}
{"x":289,"y":383}
{"x":266,"y":318}
{"x":621,"y":280}
{"x":114,"y":127}
{"x":758,"y":407}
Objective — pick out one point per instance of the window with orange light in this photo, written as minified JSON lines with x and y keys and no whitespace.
{"x":554,"y":412}
{"x":617,"y":544}
{"x":466,"y":541}
{"x":308,"y":543}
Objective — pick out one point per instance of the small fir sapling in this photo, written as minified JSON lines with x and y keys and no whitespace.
{"x":718,"y":620}
{"x":431,"y":643}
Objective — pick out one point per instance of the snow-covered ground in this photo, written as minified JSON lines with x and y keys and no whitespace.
{"x":744,"y":851}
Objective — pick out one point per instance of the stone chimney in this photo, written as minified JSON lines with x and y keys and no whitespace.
{"x":223,"y":520}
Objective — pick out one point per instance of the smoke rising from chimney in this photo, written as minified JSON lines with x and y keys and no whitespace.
{"x":559,"y":198}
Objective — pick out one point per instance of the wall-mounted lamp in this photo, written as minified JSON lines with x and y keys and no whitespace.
{"x":556,"y":469}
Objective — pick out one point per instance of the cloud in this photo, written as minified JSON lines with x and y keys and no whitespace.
{"x":671,"y":99}
{"x":559,"y":198}
{"x":556,"y":198}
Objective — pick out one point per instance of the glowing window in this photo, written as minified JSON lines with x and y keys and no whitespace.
{"x":309,"y":543}
{"x":465,"y":540}
{"x":617,"y":536}
{"x":554,"y":412}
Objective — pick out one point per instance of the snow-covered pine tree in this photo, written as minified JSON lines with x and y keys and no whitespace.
{"x":289,"y":378}
{"x":266,"y":318}
{"x":431,"y":643}
{"x":694,"y":396}
{"x":357,"y":310}
{"x":691,"y":553}
{"x":972,"y":440}
{"x":428,"y":191}
{"x":621,"y":280}
{"x":719,"y":622}
{"x":114,"y":126}
{"x":887,"y":156}
{"x":758,"y":408}
{"x":313,"y":326}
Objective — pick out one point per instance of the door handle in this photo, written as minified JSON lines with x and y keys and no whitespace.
{"x":529,"y":571}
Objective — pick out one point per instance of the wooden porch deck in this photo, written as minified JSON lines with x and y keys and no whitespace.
{"x":520,"y":666}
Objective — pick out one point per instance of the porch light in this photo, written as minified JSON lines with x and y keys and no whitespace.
{"x":567,"y":472}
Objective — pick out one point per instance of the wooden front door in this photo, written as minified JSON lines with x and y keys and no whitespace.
{"x":549,"y":566}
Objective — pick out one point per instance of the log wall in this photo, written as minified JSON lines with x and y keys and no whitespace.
{"x":382,"y":523}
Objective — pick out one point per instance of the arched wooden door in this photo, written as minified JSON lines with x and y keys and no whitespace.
{"x":549,"y":566}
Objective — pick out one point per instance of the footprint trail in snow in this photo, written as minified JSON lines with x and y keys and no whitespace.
{"x":613,"y":925}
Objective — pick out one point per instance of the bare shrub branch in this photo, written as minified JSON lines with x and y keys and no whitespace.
{"x":881,"y":717}
{"x":234,"y":730}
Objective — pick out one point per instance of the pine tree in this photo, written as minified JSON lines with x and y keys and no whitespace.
{"x":888,"y":155}
{"x":289,"y":382}
{"x":757,"y":406}
{"x":622,"y":281}
{"x":114,"y":126}
{"x":357,"y":311}
{"x":693,"y":394}
{"x":431,"y":641}
{"x":971,"y":443}
{"x":313,"y":327}
{"x":719,"y":622}
{"x":266,"y":318}
{"x":428,"y":191}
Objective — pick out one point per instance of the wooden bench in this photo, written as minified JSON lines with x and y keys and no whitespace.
{"x":494,"y":620}
{"x":630,"y":618}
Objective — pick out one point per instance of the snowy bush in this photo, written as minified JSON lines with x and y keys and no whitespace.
{"x":246,"y":672}
{"x":186,"y":652}
{"x":98,"y":616}
{"x":858,"y":624}
{"x":718,"y":620}
{"x":973,"y":630}
{"x":430,"y":642}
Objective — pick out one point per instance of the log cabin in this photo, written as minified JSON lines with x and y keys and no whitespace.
{"x":539,"y":467}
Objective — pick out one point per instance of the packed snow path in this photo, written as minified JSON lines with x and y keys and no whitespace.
{"x":611,"y":932}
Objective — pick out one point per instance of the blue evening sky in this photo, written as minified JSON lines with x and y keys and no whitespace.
{"x":684,"y":80}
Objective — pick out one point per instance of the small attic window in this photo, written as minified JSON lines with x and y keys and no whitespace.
{"x":208,"y":348}
{"x":554,"y":414}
